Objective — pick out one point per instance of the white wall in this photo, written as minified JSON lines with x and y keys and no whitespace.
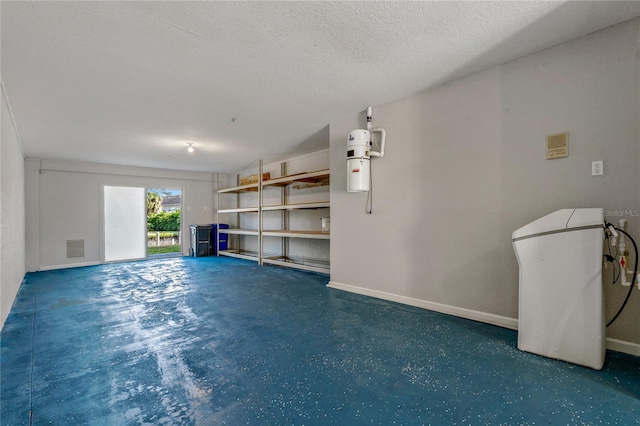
{"x":12,"y":213}
{"x":64,"y":203}
{"x":465,"y":166}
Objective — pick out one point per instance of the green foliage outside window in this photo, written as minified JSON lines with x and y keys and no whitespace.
{"x":164,"y":221}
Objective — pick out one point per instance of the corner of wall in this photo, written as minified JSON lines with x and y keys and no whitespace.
{"x":12,"y":210}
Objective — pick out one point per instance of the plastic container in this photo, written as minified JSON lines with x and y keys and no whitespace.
{"x":200,"y":240}
{"x":224,"y":238}
{"x":561,"y":305}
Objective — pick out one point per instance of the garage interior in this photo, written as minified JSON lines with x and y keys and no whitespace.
{"x":405,"y":311}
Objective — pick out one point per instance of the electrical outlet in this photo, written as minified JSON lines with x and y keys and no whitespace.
{"x":597,"y":168}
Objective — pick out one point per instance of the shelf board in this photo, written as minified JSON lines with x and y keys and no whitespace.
{"x":299,"y":206}
{"x":250,"y":187}
{"x":318,"y":235}
{"x":240,"y":254}
{"x":307,"y":265}
{"x":240,"y":210}
{"x":238,"y":231}
{"x":319,"y":177}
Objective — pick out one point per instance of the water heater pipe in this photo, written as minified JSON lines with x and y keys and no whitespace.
{"x":383,"y":133}
{"x":622,"y":249}
{"x":614,"y":235}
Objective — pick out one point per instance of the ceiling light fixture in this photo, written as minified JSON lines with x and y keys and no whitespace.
{"x":190,"y":149}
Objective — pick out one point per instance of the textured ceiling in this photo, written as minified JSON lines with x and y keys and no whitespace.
{"x":132,"y":82}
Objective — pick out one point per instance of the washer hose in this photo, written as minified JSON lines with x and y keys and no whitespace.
{"x":633,"y":279}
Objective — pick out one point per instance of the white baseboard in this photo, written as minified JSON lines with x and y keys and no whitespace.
{"x":500,"y":321}
{"x":69,"y":265}
{"x":622,"y":346}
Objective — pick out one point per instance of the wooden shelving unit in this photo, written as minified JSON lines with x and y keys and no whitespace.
{"x":318,"y":177}
{"x":239,"y":231}
{"x":251,"y":187}
{"x":298,"y":206}
{"x":289,"y":262}
{"x":240,"y":254}
{"x":286,"y":183}
{"x":240,"y":210}
{"x":236,"y":248}
{"x":317,"y":235}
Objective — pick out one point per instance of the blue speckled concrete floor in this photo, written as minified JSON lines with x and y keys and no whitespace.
{"x":224,"y":341}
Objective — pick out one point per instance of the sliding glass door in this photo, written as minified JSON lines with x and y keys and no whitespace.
{"x":125,"y":223}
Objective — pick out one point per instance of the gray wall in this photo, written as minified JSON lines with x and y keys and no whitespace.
{"x":12,"y":213}
{"x":64,"y":203}
{"x":465,"y":166}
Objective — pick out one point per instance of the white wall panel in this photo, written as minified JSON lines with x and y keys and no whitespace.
{"x":12,"y":213}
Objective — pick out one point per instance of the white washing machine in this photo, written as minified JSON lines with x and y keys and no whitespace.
{"x":561,"y":308}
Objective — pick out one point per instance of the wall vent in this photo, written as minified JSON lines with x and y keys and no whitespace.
{"x":75,"y":249}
